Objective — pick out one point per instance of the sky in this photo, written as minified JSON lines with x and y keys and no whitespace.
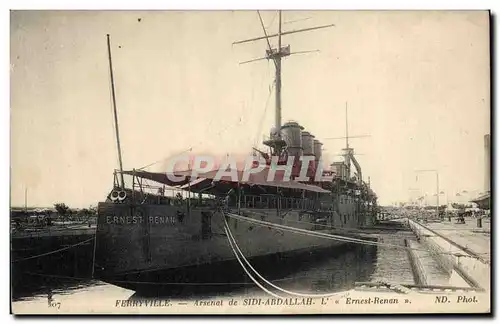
{"x":416,"y":82}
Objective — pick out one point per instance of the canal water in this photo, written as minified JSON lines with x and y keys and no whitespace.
{"x":332,"y":273}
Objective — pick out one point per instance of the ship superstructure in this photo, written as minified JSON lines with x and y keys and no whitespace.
{"x":171,"y":221}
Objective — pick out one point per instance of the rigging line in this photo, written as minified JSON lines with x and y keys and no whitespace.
{"x":267,"y":40}
{"x":245,"y":269}
{"x":52,"y":252}
{"x":297,"y":20}
{"x":164,"y":159}
{"x":191,"y":148}
{"x":150,"y":282}
{"x":228,"y":230}
{"x":58,"y":276}
{"x":229,"y":125}
{"x":264,"y":114}
{"x":272,"y":21}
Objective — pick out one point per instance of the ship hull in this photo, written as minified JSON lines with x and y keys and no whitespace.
{"x":143,"y":245}
{"x":224,"y":276}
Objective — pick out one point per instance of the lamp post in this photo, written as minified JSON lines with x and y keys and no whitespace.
{"x":437,"y":187}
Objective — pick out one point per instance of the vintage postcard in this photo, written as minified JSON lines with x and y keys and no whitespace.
{"x":250,"y":162}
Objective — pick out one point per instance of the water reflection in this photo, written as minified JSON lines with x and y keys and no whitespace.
{"x":393,"y":264}
{"x":335,"y":271}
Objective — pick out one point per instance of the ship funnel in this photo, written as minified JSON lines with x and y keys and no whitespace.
{"x":307,"y":143}
{"x":318,"y":148}
{"x":291,"y":132}
{"x":340,"y":170}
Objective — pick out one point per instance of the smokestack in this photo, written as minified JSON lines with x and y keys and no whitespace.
{"x":487,"y":176}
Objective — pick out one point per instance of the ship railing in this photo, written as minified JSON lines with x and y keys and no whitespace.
{"x":143,"y":191}
{"x":158,"y":190}
{"x":272,"y":202}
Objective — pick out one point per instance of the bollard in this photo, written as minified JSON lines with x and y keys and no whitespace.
{"x":479,"y":222}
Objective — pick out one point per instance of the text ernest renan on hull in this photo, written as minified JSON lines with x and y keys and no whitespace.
{"x":128,"y":220}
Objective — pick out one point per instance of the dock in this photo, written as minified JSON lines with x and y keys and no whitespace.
{"x":26,"y":244}
{"x":73,"y":230}
{"x":469,"y":237}
{"x":462,"y":249}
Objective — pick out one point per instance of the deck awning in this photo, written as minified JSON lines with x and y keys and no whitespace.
{"x":259,"y":178}
{"x":160,"y":177}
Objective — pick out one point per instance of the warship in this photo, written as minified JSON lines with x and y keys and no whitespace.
{"x":172,"y":227}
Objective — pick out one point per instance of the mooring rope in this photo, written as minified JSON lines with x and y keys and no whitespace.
{"x":308,"y":232}
{"x":392,"y":286}
{"x":245,"y":269}
{"x":339,"y":237}
{"x":142,"y":282}
{"x":341,"y":229}
{"x":52,"y":252}
{"x":228,"y":230}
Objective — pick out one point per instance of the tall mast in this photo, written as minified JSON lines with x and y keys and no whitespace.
{"x":278,"y":79}
{"x":115,"y":113}
{"x":348,"y":152}
{"x":276,"y":143}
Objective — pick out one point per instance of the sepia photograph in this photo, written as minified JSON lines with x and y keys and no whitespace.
{"x":250,"y":162}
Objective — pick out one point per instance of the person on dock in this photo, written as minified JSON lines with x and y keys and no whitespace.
{"x":230,"y":195}
{"x":461,"y":218}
